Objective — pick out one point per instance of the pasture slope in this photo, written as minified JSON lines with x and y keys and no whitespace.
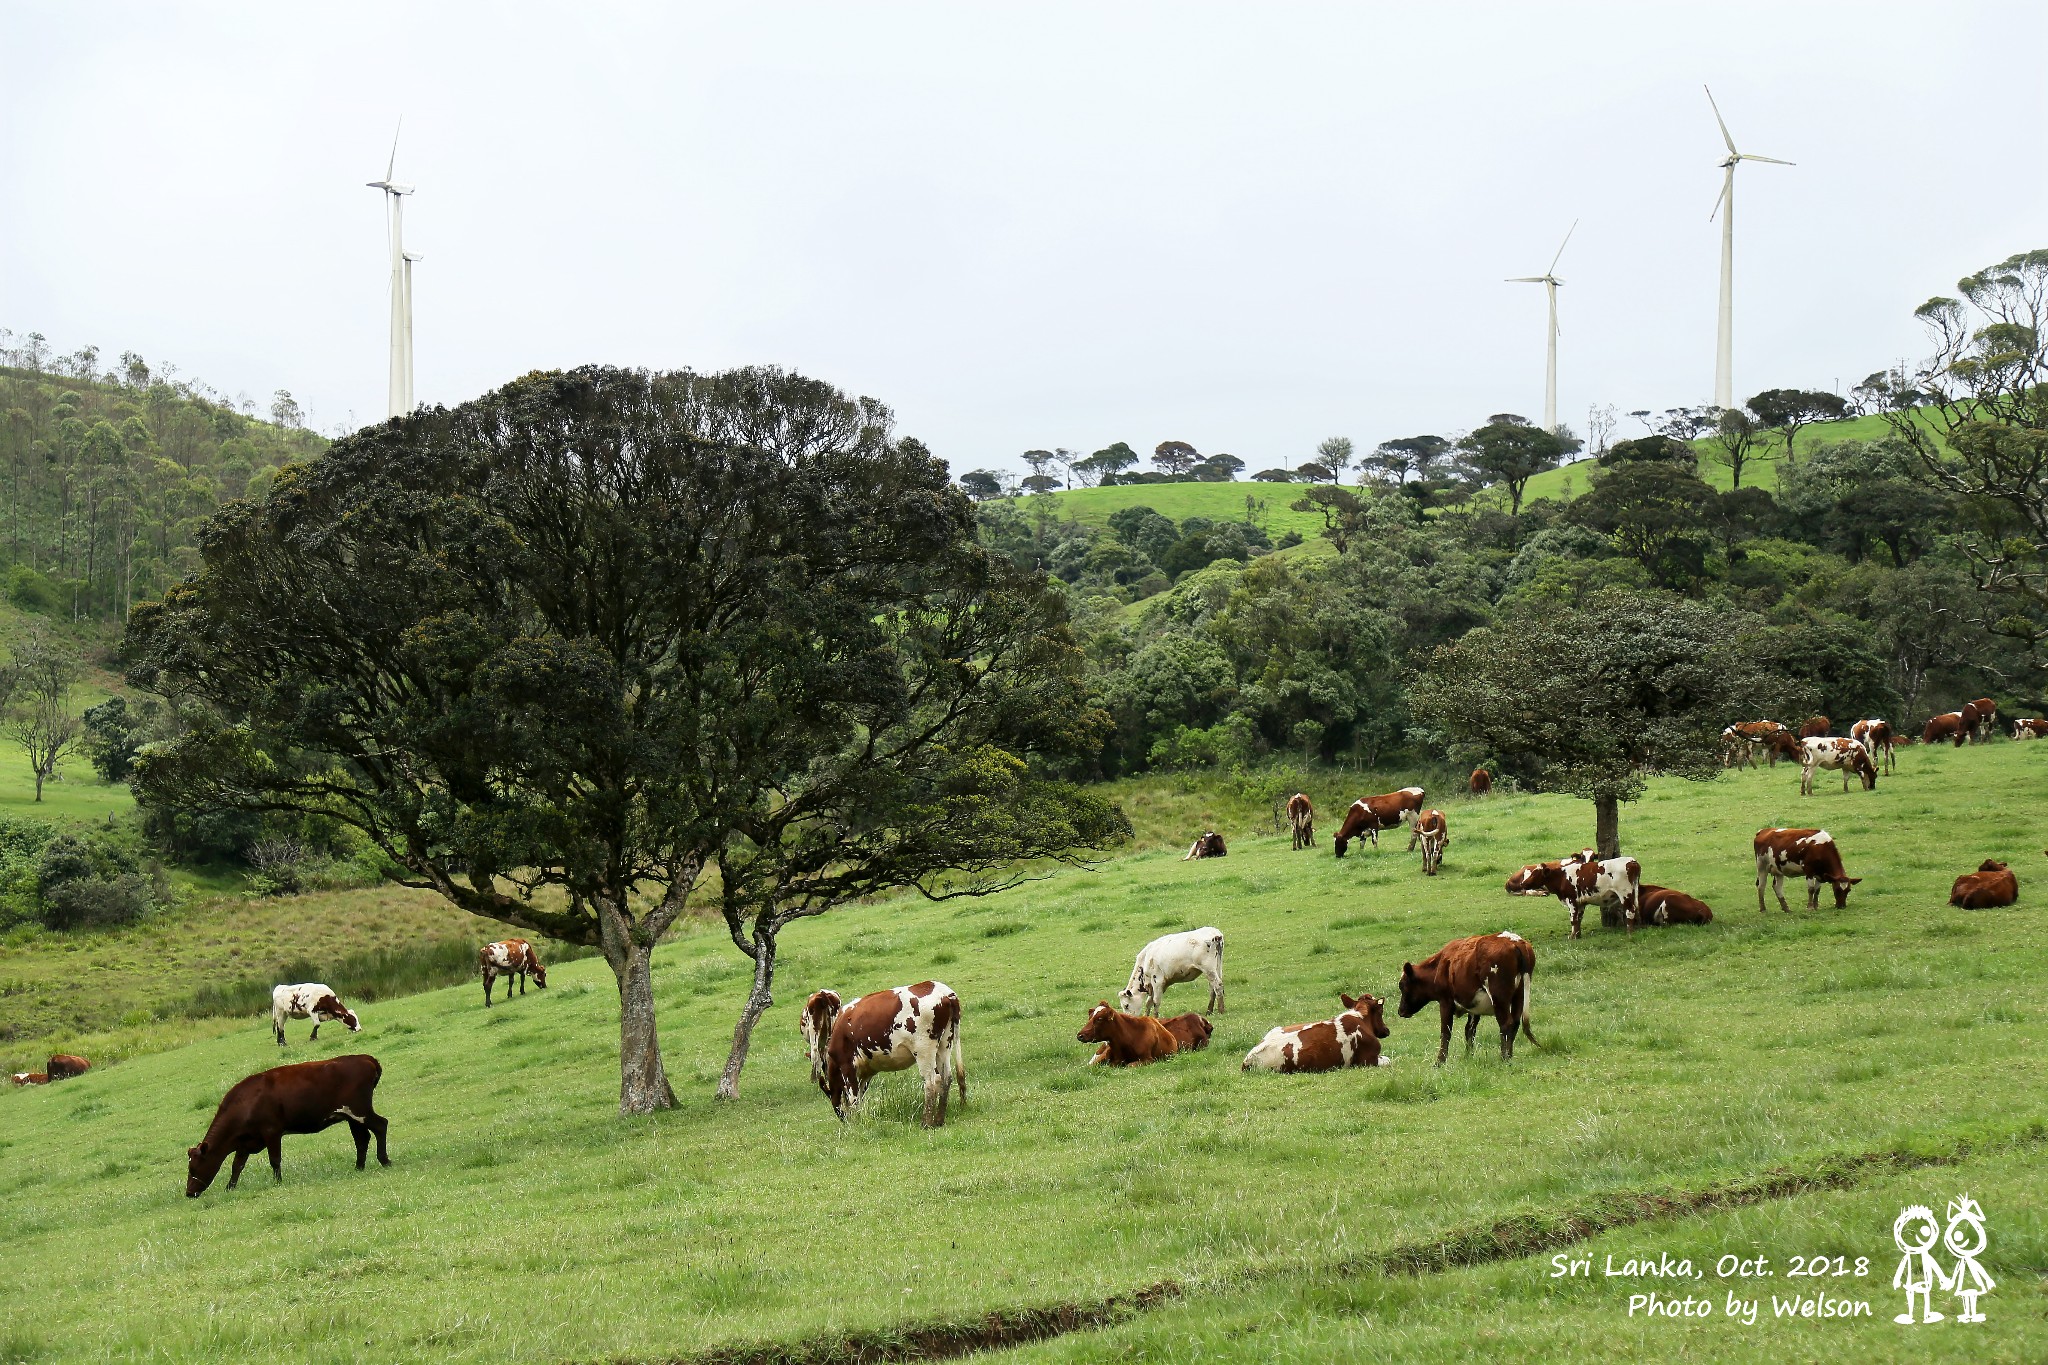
{"x":1770,"y":1085}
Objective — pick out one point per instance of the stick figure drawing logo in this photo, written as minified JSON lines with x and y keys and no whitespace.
{"x":1916,"y":1234}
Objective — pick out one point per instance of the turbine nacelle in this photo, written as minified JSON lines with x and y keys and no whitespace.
{"x":388,"y":187}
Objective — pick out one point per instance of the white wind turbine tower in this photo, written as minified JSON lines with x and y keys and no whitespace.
{"x":401,"y":286}
{"x":1549,"y":280}
{"x":1724,"y":351}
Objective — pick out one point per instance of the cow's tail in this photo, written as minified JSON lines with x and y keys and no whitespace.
{"x":1528,"y":956}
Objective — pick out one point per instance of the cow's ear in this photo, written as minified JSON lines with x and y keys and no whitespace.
{"x":196,"y":1152}
{"x":1852,"y":880}
{"x":1407,"y":971}
{"x":1349,"y":1003}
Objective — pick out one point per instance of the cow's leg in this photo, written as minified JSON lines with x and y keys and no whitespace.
{"x":487,"y":987}
{"x":235,"y":1170}
{"x":1578,"y":913}
{"x":316,"y":1031}
{"x":1812,"y":892}
{"x":959,"y":1068}
{"x":1471,"y":1031}
{"x":1215,"y":989}
{"x":361,"y":1133}
{"x":1761,"y":873}
{"x":277,"y":1158}
{"x":522,"y":982}
{"x":277,"y":1027}
{"x":1443,"y":1046}
{"x":377,"y":1124}
{"x":1101,"y":1055}
{"x":936,"y":1081}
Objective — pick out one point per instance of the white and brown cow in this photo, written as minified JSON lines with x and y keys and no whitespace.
{"x":1369,"y":815}
{"x":2030,"y":729}
{"x":1741,"y":742}
{"x":1350,"y":1039}
{"x":1209,"y":845}
{"x":1432,"y":831}
{"x":31,"y":1078}
{"x":1170,"y":960}
{"x":1984,"y":722}
{"x":309,"y":1000}
{"x":1877,"y":740}
{"x":1301,"y":814}
{"x":1486,"y":974}
{"x":1585,"y":879}
{"x":890,"y":1030}
{"x":1810,"y":853}
{"x":513,"y":959}
{"x":1845,"y":755}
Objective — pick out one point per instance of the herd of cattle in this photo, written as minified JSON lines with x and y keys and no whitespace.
{"x":1481,"y":976}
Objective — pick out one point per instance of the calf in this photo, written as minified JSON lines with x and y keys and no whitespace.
{"x":1945,"y":727}
{"x":890,"y":1030}
{"x":1301,"y":814}
{"x":2030,"y":729}
{"x":1126,"y":1039}
{"x":1584,"y":879}
{"x":1877,"y":740}
{"x":1190,"y":1031}
{"x":310,"y":1000}
{"x":513,"y":959}
{"x":1482,"y":782}
{"x":1845,"y":754}
{"x":302,"y":1098}
{"x":1815,"y":727}
{"x":1210,"y":845}
{"x":1432,"y":831}
{"x":1990,"y":886}
{"x":1370,"y":814}
{"x":1170,"y":960}
{"x":1351,"y":1039}
{"x":63,"y":1066}
{"x":1481,"y":975}
{"x":1810,"y":853}
{"x":1662,"y":905}
{"x":31,"y":1078}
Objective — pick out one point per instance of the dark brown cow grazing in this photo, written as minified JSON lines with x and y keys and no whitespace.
{"x":1482,"y":782}
{"x":304,"y":1097}
{"x":1432,"y":831}
{"x":1351,"y":1039}
{"x":1807,"y":852}
{"x":1987,"y":719}
{"x":1369,"y":815}
{"x":1661,"y":905}
{"x":1127,"y":1039}
{"x":63,"y":1065}
{"x":1301,"y":814}
{"x":1481,"y":975}
{"x":1815,"y":726}
{"x":1949,"y":727}
{"x":1992,"y":885}
{"x":1210,"y":845}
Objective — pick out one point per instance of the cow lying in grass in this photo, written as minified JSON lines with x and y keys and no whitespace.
{"x":1350,"y":1039}
{"x":1662,"y":905}
{"x":31,"y":1078}
{"x":1128,"y":1039}
{"x":63,"y":1066}
{"x":1209,"y":845}
{"x":305,"y":1097}
{"x":1486,"y":974}
{"x":1992,"y":885}
{"x":890,"y":1030}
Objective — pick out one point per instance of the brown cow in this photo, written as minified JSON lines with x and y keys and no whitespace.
{"x":2030,"y":729}
{"x":1351,"y":1039}
{"x":1949,"y":726}
{"x":1301,"y":814}
{"x":1127,"y":1039}
{"x":513,"y":959}
{"x":1815,"y":726}
{"x":1661,"y":905}
{"x":1877,"y":740}
{"x":31,"y":1078}
{"x":1370,"y":814}
{"x":1482,"y":782}
{"x":1585,"y":879}
{"x":1190,"y":1034}
{"x":304,"y":1097}
{"x":63,"y":1065}
{"x":1432,"y":831}
{"x":891,"y":1030}
{"x":1480,"y":975}
{"x":1741,"y":741}
{"x":1990,"y":886}
{"x":1811,"y":853}
{"x":1210,"y":845}
{"x":1987,"y":719}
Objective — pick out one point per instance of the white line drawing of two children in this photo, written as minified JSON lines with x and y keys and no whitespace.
{"x":1915,"y":1234}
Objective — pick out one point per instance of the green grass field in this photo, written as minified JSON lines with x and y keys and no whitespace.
{"x":1217,"y":501}
{"x":1771,"y":1085}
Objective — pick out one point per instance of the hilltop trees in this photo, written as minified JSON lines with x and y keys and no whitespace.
{"x":604,"y":631}
{"x":1510,"y":452}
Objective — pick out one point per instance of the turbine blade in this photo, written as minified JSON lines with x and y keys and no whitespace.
{"x":393,"y":164}
{"x":1726,"y":181}
{"x":1561,"y":246}
{"x":1725,"y":135}
{"x":1773,"y":160}
{"x":1526,"y":279}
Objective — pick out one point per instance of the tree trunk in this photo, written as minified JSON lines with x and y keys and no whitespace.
{"x":758,"y":1000}
{"x":1607,"y":839}
{"x":629,"y":948}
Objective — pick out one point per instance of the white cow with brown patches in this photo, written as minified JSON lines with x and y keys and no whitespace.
{"x":309,"y":1000}
{"x":890,"y":1030}
{"x":1845,"y":755}
{"x":513,"y":959}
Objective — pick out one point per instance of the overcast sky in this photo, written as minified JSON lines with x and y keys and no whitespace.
{"x":1243,"y":226}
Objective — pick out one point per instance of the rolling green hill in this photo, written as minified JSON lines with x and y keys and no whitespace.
{"x":1769,"y":1085}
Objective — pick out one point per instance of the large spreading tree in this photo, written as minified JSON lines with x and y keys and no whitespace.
{"x":565,"y":651}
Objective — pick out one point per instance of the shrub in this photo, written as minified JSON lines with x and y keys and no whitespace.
{"x":90,"y":881}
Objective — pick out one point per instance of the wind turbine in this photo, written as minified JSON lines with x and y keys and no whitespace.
{"x":401,"y":285}
{"x":1549,"y":280}
{"x":1724,"y":351}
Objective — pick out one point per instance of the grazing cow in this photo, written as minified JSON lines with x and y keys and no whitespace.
{"x":309,"y":1001}
{"x":1973,"y":721}
{"x":1987,"y":719}
{"x":1741,"y":741}
{"x":1371,"y":814}
{"x":1661,"y":905}
{"x":63,"y":1066}
{"x":1481,"y":975}
{"x":1815,"y":726}
{"x":1585,"y":879}
{"x":513,"y":959}
{"x":1350,"y":1039}
{"x":1990,"y":886}
{"x":1301,"y":814}
{"x":1170,"y":960}
{"x":1845,"y":754}
{"x":31,"y":1078}
{"x":1126,"y":1039}
{"x":1210,"y":845}
{"x":1810,"y":853}
{"x":304,"y":1097}
{"x":890,"y":1030}
{"x":1949,"y":726}
{"x":1432,"y":831}
{"x":1482,"y":782}
{"x":1877,"y":740}
{"x":2030,"y":729}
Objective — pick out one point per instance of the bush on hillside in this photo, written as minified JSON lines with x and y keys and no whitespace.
{"x":32,"y":591}
{"x":93,"y":881}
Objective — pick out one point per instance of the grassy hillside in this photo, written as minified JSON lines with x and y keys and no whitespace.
{"x":1216,"y":501}
{"x":1294,"y":1217}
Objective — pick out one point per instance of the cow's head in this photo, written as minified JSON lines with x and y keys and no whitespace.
{"x":202,"y":1164}
{"x":1842,"y":885}
{"x":1414,"y":993}
{"x":1129,"y":998}
{"x":536,"y":971}
{"x":1370,"y":1007}
{"x":330,"y":1007}
{"x":816,"y":1022}
{"x":1096,"y":1030}
{"x":1536,"y":879}
{"x":1991,"y":865}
